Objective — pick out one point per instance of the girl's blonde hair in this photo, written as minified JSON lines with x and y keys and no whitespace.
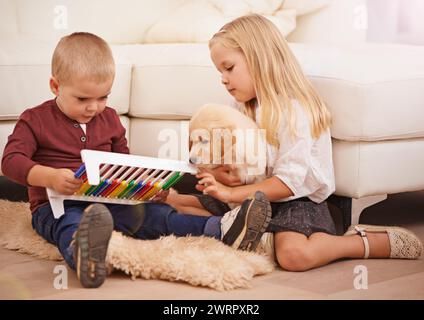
{"x":276,"y":74}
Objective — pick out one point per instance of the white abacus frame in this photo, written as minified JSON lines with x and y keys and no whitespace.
{"x":93,"y":159}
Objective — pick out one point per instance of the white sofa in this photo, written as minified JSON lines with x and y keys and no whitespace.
{"x":375,"y":93}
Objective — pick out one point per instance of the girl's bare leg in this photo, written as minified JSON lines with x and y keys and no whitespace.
{"x":296,"y":252}
{"x":185,"y":203}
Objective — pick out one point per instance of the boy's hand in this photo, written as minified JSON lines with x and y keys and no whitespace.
{"x":63,"y":181}
{"x":208,"y":185}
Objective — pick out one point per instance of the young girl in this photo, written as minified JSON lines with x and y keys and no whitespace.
{"x":261,"y":73}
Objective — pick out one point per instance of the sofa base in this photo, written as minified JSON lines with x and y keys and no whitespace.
{"x":352,"y":208}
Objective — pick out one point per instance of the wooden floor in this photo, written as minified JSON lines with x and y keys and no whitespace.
{"x":22,"y":276}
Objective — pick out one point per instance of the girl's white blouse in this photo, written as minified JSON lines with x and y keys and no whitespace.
{"x":303,"y":164}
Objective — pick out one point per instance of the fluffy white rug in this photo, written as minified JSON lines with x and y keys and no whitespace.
{"x":199,"y":261}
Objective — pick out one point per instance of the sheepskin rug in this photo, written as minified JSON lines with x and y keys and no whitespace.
{"x":199,"y":261}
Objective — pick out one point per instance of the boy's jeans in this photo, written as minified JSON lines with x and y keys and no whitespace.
{"x":157,"y":220}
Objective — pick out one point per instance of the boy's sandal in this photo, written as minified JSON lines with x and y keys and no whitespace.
{"x":403,"y":243}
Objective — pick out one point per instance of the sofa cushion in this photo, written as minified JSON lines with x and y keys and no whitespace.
{"x":25,"y":72}
{"x":167,"y":139}
{"x":8,"y":20}
{"x":124,"y":21}
{"x":126,"y":123}
{"x":374,"y":92}
{"x":170,"y":81}
{"x":198,"y":20}
{"x":366,"y":168}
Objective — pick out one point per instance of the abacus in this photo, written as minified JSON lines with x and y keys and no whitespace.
{"x":121,"y":178}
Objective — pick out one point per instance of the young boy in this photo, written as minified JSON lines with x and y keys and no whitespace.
{"x":44,"y":151}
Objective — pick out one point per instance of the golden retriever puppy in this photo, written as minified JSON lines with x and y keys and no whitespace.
{"x":221,"y":135}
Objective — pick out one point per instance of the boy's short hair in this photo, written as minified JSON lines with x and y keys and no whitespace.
{"x":82,"y":55}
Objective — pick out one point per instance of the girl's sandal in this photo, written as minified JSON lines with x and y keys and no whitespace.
{"x":403,"y":243}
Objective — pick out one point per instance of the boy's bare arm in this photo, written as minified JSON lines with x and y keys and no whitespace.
{"x":61,"y":180}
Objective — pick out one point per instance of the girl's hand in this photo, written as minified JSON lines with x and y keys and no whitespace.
{"x":225,"y":175}
{"x":64,"y":182}
{"x":161,"y":196}
{"x":208,"y":185}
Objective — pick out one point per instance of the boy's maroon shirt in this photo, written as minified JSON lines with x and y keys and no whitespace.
{"x":44,"y":135}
